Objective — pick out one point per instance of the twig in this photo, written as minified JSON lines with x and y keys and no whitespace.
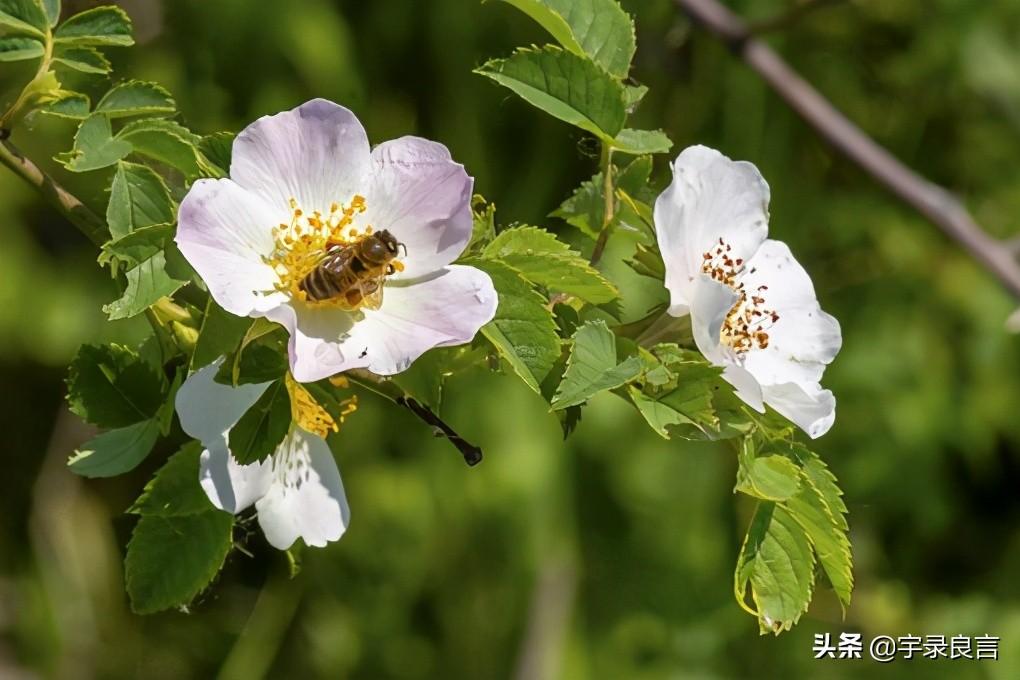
{"x":933,"y":202}
{"x":790,"y":17}
{"x":385,"y":388}
{"x":76,"y":212}
{"x":610,"y":203}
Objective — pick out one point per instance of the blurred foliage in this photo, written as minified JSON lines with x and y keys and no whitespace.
{"x":609,"y":556}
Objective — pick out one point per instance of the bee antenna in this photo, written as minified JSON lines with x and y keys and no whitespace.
{"x":404,"y":247}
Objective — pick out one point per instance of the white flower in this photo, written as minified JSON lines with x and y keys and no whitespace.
{"x":305,"y":181}
{"x":753,"y":308}
{"x":297,"y":491}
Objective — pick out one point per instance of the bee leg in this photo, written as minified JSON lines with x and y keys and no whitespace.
{"x":390,"y":269}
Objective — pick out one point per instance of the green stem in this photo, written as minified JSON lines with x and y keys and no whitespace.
{"x":44,"y":66}
{"x":609,"y":195}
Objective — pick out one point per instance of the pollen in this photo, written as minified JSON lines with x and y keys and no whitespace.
{"x":748,"y":322}
{"x":309,"y":415}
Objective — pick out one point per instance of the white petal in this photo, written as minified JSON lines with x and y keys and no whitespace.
{"x":306,"y":499}
{"x":710,"y":302}
{"x":804,"y":339}
{"x":207,"y":410}
{"x":317,"y":154}
{"x":810,"y":407}
{"x":745,"y":386}
{"x":711,"y":197}
{"x":229,"y":485}
{"x":442,"y":310}
{"x":322,"y":340}
{"x":224,"y":232}
{"x":423,"y":198}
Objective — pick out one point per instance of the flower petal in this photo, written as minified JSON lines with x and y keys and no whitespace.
{"x":804,"y":339}
{"x":421,"y":196}
{"x":317,"y":154}
{"x":229,"y":485}
{"x":306,"y":499}
{"x":710,"y":302}
{"x":207,"y":410}
{"x":442,"y":310}
{"x":745,"y":386}
{"x":810,"y":407}
{"x":321,"y":340}
{"x":225,"y":232}
{"x":711,"y":198}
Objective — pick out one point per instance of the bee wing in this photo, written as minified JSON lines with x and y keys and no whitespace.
{"x":337,"y":258}
{"x":372,"y":292}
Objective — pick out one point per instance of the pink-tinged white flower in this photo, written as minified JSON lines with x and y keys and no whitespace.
{"x":753,"y":308}
{"x":297,"y":491}
{"x":304,"y":183}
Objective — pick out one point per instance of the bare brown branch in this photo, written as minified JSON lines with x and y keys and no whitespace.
{"x":933,"y":202}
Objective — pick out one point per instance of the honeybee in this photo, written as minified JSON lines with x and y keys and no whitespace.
{"x":352,"y":273}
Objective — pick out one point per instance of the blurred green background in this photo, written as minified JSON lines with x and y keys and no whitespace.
{"x":609,"y":556}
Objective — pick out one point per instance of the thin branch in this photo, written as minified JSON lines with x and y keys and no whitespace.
{"x":76,"y":212}
{"x":790,"y":16}
{"x":933,"y":202}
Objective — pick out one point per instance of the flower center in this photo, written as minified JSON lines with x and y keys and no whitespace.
{"x":747,"y":323}
{"x":311,"y":241}
{"x":309,"y":415}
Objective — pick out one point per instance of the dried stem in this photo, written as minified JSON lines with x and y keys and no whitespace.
{"x":932,"y":201}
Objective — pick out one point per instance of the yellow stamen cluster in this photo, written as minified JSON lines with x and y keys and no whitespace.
{"x":309,"y":415}
{"x":301,"y":245}
{"x":748,"y":321}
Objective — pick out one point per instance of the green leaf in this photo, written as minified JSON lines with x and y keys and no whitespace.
{"x":483,"y":226}
{"x":640,"y":142}
{"x":258,"y":361}
{"x":139,"y":245}
{"x":221,"y":333}
{"x":23,"y":16}
{"x":546,"y":261}
{"x":175,"y":490}
{"x":261,"y":429}
{"x":523,"y":331}
{"x":117,"y":451}
{"x":773,"y":478}
{"x":634,"y":94}
{"x":111,"y":386}
{"x":71,"y":105}
{"x":136,"y":98}
{"x":106,"y":25}
{"x":678,"y":400}
{"x":16,"y":48}
{"x":217,"y":148}
{"x":592,"y":366}
{"x":83,"y":59}
{"x":564,"y":85}
{"x":138,"y":198}
{"x":599,"y":29}
{"x":170,"y":560}
{"x":165,"y":141}
{"x":777,"y":562}
{"x":585,"y":209}
{"x":146,"y":284}
{"x":52,"y":9}
{"x":94,"y":146}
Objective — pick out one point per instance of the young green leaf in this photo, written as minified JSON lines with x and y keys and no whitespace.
{"x":639,"y":142}
{"x":546,"y":261}
{"x":106,"y":25}
{"x":217,"y":149}
{"x":483,"y":227}
{"x":523,"y":331}
{"x":111,"y":386}
{"x":115,"y":452}
{"x":585,"y":209}
{"x":564,"y":85}
{"x":136,"y":98}
{"x":634,"y":94}
{"x":139,"y":245}
{"x":599,"y":29}
{"x":65,"y":104}
{"x":146,"y":284}
{"x":17,"y":48}
{"x":23,"y":16}
{"x":592,"y":366}
{"x":778,"y":564}
{"x":138,"y":198}
{"x":175,"y":490}
{"x":221,"y":333}
{"x":94,"y":146}
{"x":52,"y":9}
{"x":261,"y":429}
{"x":773,"y":478}
{"x":165,"y":141}
{"x":170,"y":560}
{"x":83,"y":59}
